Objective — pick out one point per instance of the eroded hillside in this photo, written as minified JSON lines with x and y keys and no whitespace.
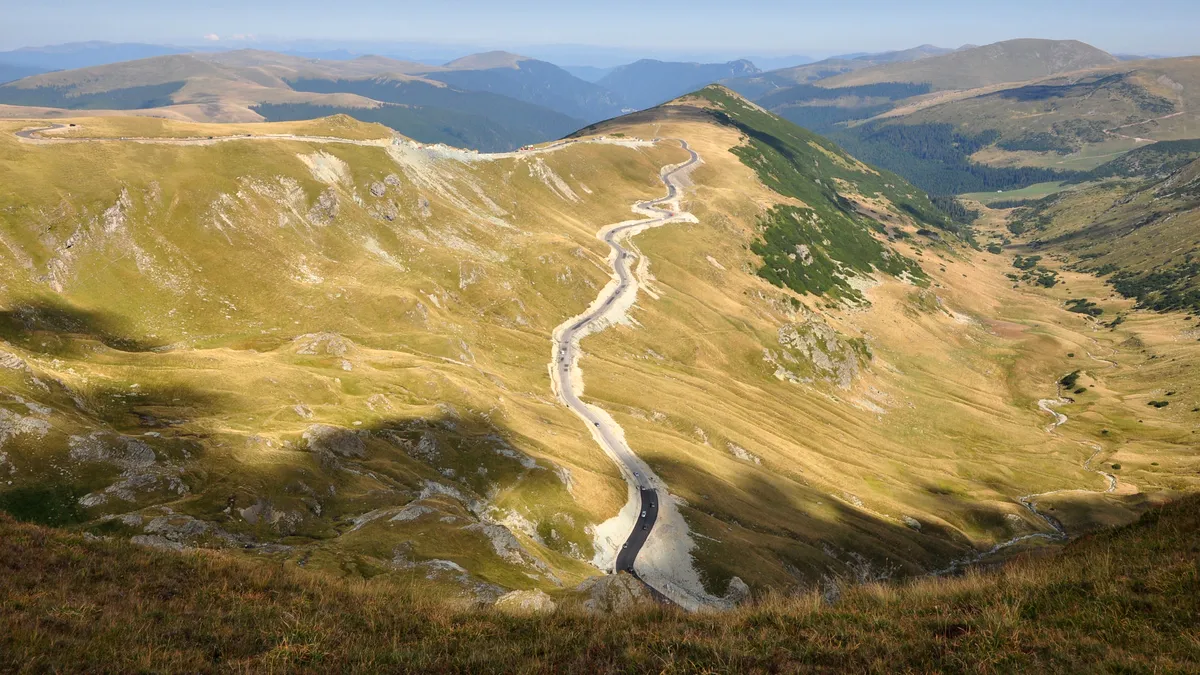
{"x":334,"y":352}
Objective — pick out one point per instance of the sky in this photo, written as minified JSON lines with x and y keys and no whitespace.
{"x":702,"y":27}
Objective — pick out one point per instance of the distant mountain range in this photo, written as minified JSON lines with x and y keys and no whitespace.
{"x":648,"y":82}
{"x":1000,"y":116}
{"x":83,"y":54}
{"x":971,"y":118}
{"x":489,"y":101}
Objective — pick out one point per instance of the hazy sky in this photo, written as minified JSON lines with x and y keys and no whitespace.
{"x":737,"y":27}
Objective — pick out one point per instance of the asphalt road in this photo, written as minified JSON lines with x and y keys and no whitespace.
{"x":29,"y":133}
{"x":647,"y":495}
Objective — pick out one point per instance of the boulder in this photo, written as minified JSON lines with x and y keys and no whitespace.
{"x":323,"y":438}
{"x":737,"y":592}
{"x":613,"y":593}
{"x":526,"y":602}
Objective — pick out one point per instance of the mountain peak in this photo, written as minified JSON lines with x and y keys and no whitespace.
{"x":487,"y":61}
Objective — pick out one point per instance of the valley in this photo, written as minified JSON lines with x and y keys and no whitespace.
{"x":398,"y":421}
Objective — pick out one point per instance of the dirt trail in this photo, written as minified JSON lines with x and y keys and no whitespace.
{"x":1110,"y":362}
{"x":1113,"y":130}
{"x":1029,"y":501}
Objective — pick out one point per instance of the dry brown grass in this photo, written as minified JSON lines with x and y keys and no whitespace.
{"x":1125,"y":600}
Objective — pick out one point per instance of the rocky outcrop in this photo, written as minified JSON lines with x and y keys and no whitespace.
{"x":737,"y":592}
{"x":14,"y":424}
{"x":613,"y":593}
{"x":814,"y":346}
{"x":127,"y":453}
{"x":325,"y":439}
{"x":326,"y":209}
{"x":526,"y":602}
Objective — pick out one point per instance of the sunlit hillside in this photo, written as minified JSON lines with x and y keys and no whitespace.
{"x":328,"y":346}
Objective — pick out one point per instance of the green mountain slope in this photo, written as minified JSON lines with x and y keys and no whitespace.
{"x":486,"y":121}
{"x":1016,"y":135}
{"x":1008,"y":61}
{"x":648,"y":82}
{"x":837,"y":240}
{"x":537,"y":82}
{"x":1157,"y":160}
{"x":494,"y":109}
{"x":800,"y":164}
{"x":1143,"y":238}
{"x":1007,"y":135}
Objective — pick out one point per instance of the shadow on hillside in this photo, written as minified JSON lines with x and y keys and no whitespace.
{"x":51,"y":326}
{"x":855,"y":541}
{"x":150,"y":406}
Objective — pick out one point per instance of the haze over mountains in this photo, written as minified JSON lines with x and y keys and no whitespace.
{"x":540,"y":101}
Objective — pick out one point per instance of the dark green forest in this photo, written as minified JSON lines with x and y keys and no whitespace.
{"x":131,"y":98}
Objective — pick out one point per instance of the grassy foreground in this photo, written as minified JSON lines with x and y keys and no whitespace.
{"x":1123,"y":600}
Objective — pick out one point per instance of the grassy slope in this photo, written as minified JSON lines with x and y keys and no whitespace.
{"x":942,"y":425}
{"x":1124,"y":600}
{"x":223,"y":263}
{"x":447,"y":316}
{"x":1060,"y":123}
{"x":1008,"y":61}
{"x":1143,"y":234}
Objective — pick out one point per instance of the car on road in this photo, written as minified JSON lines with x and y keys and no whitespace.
{"x":597,"y":424}
{"x":643,"y":514}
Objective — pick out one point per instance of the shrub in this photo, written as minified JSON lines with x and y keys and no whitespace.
{"x":1029,"y":263}
{"x":1083,"y":306}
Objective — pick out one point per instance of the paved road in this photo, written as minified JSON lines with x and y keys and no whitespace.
{"x":29,"y":133}
{"x":36,"y":135}
{"x":565,"y":348}
{"x":565,"y":355}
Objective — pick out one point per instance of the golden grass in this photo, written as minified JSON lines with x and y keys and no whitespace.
{"x":130,"y":126}
{"x":1123,"y":600}
{"x":452,"y":328}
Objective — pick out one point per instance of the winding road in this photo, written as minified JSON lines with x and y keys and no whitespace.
{"x":36,"y":136}
{"x":566,"y":354}
{"x":646,"y":490}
